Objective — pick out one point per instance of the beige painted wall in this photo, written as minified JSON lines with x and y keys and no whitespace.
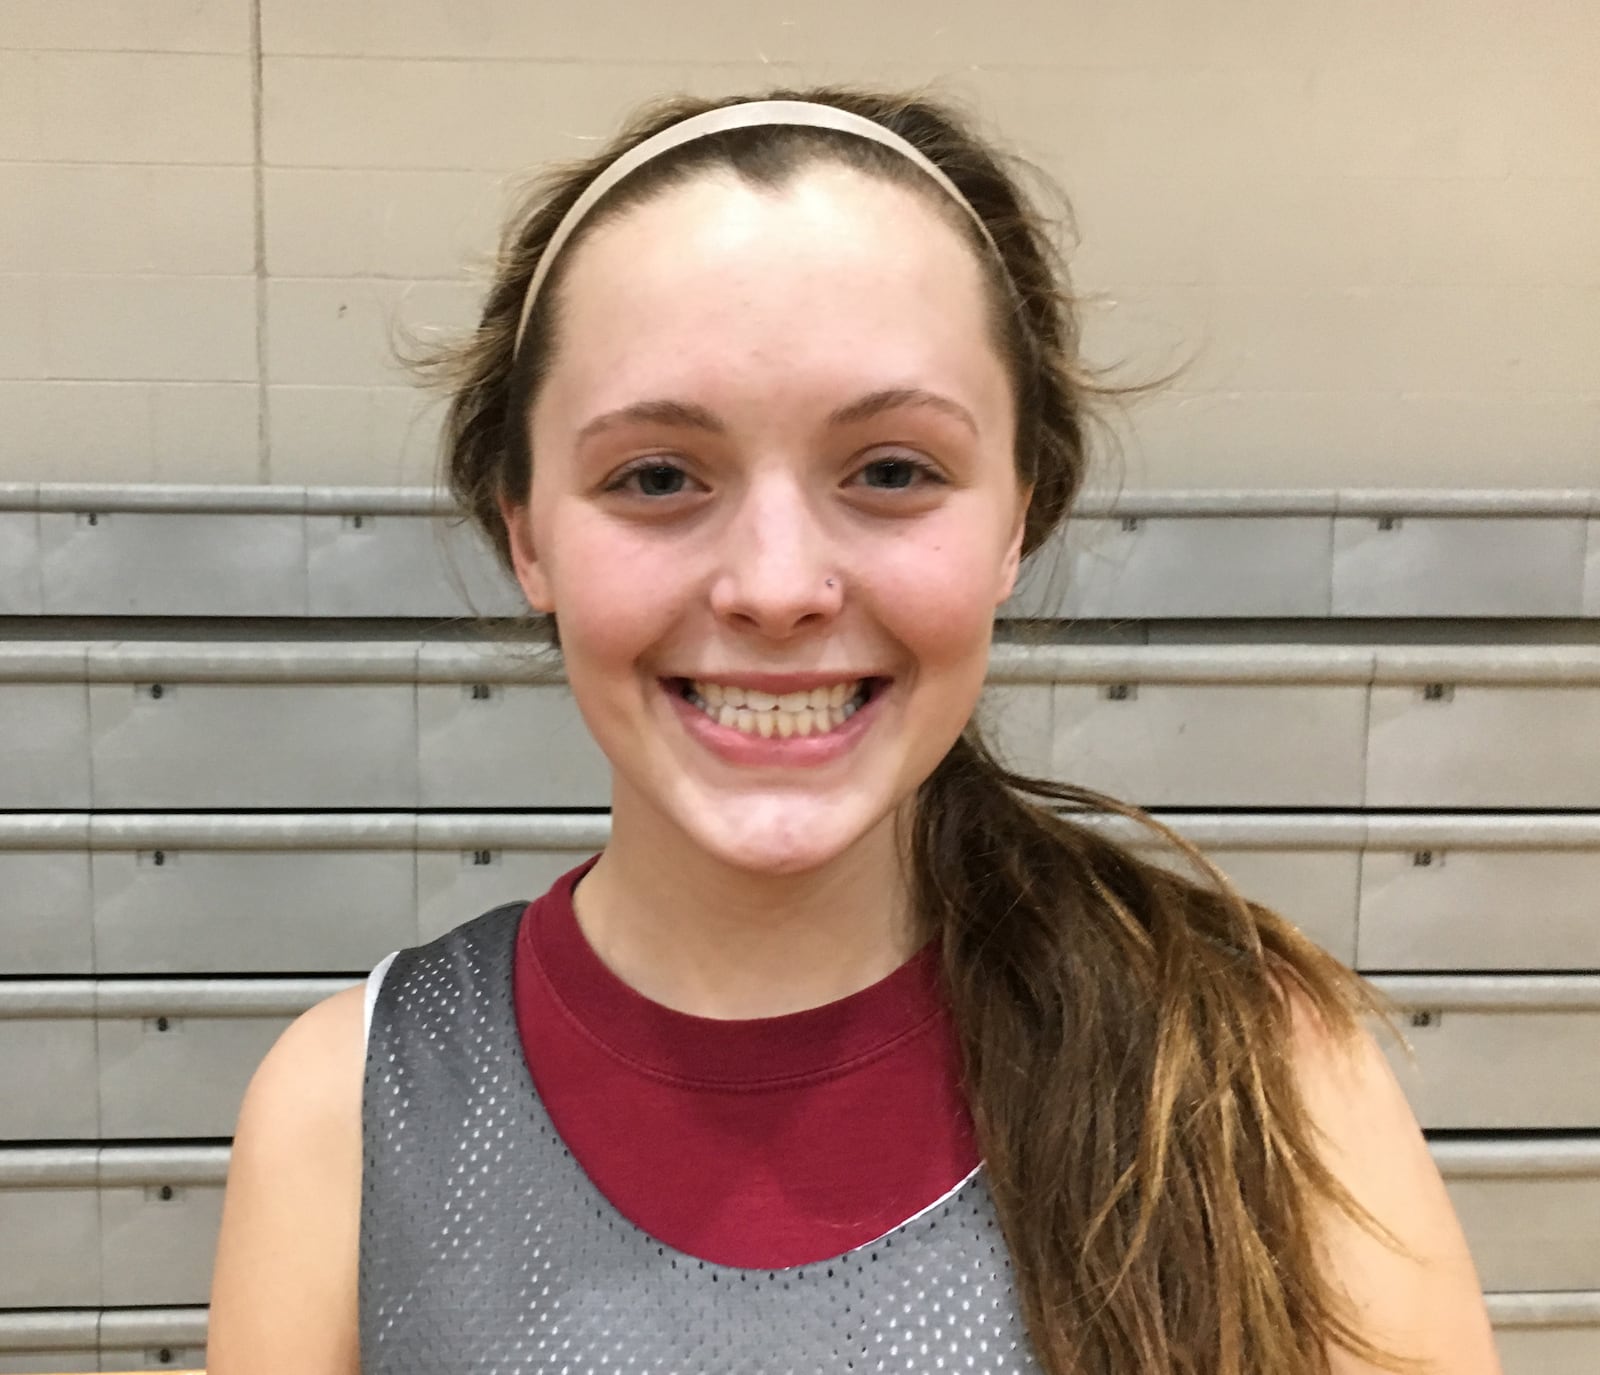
{"x":1373,"y":221}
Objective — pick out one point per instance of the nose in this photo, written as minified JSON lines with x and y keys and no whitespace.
{"x":778,"y":572}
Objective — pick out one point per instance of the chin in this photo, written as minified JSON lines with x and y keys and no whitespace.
{"x":783,"y":846}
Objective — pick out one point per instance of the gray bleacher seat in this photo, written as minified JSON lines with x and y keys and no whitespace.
{"x":1373,"y":710}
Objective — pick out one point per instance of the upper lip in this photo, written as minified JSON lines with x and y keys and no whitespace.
{"x":777,"y":683}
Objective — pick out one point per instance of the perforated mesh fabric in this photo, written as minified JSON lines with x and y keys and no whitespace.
{"x":486,"y":1248}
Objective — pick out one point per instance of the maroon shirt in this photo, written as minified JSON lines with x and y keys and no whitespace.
{"x":761,"y":1143}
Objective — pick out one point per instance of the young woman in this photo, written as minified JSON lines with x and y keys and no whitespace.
{"x":852,"y":1051}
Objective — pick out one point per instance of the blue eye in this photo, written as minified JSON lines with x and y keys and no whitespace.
{"x":651,"y":478}
{"x":898,"y":473}
{"x":660,"y":480}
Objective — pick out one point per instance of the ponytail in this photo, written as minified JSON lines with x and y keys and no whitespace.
{"x":1122,"y":1030}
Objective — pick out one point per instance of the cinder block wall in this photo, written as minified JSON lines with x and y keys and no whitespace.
{"x":1371,"y":223}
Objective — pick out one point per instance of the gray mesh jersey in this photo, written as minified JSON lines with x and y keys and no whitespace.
{"x":486,"y":1248}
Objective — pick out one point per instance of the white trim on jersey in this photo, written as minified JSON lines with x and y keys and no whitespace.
{"x":370,"y":1001}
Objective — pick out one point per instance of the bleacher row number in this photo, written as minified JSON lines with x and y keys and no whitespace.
{"x":1114,"y":692}
{"x":364,"y":520}
{"x":165,"y":859}
{"x":477,"y":692}
{"x":1129,"y":692}
{"x":479,"y":858}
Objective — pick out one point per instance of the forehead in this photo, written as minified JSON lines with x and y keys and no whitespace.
{"x":834,"y":271}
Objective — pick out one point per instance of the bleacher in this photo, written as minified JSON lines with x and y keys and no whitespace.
{"x":250,"y":745}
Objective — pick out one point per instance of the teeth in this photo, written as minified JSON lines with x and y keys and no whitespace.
{"x":762,"y":713}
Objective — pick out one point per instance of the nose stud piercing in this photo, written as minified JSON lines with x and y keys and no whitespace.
{"x":829,"y":582}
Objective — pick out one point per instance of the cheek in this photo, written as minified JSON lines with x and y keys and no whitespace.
{"x":614,"y":596}
{"x":607,"y":618}
{"x":936,"y":589}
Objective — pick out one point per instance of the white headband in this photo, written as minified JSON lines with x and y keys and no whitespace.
{"x":742,"y":116}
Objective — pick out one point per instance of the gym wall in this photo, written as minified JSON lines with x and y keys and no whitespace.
{"x":1367,"y":226}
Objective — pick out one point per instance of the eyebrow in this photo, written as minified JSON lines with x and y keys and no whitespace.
{"x":876,"y":403}
{"x":689,"y":416}
{"x":683,"y":415}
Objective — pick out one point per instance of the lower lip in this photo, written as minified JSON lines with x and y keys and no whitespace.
{"x":797,"y":751}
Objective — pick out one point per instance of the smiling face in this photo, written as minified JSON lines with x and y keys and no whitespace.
{"x":773,"y":507}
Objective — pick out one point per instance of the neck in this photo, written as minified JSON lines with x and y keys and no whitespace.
{"x":703,"y":937}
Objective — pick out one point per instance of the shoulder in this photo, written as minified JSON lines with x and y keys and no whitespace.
{"x":310,"y":1080}
{"x":284,"y":1288}
{"x":318,"y":1049}
{"x":1427,"y":1305}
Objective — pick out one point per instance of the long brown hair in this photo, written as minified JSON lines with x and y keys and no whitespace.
{"x":1123,"y":1026}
